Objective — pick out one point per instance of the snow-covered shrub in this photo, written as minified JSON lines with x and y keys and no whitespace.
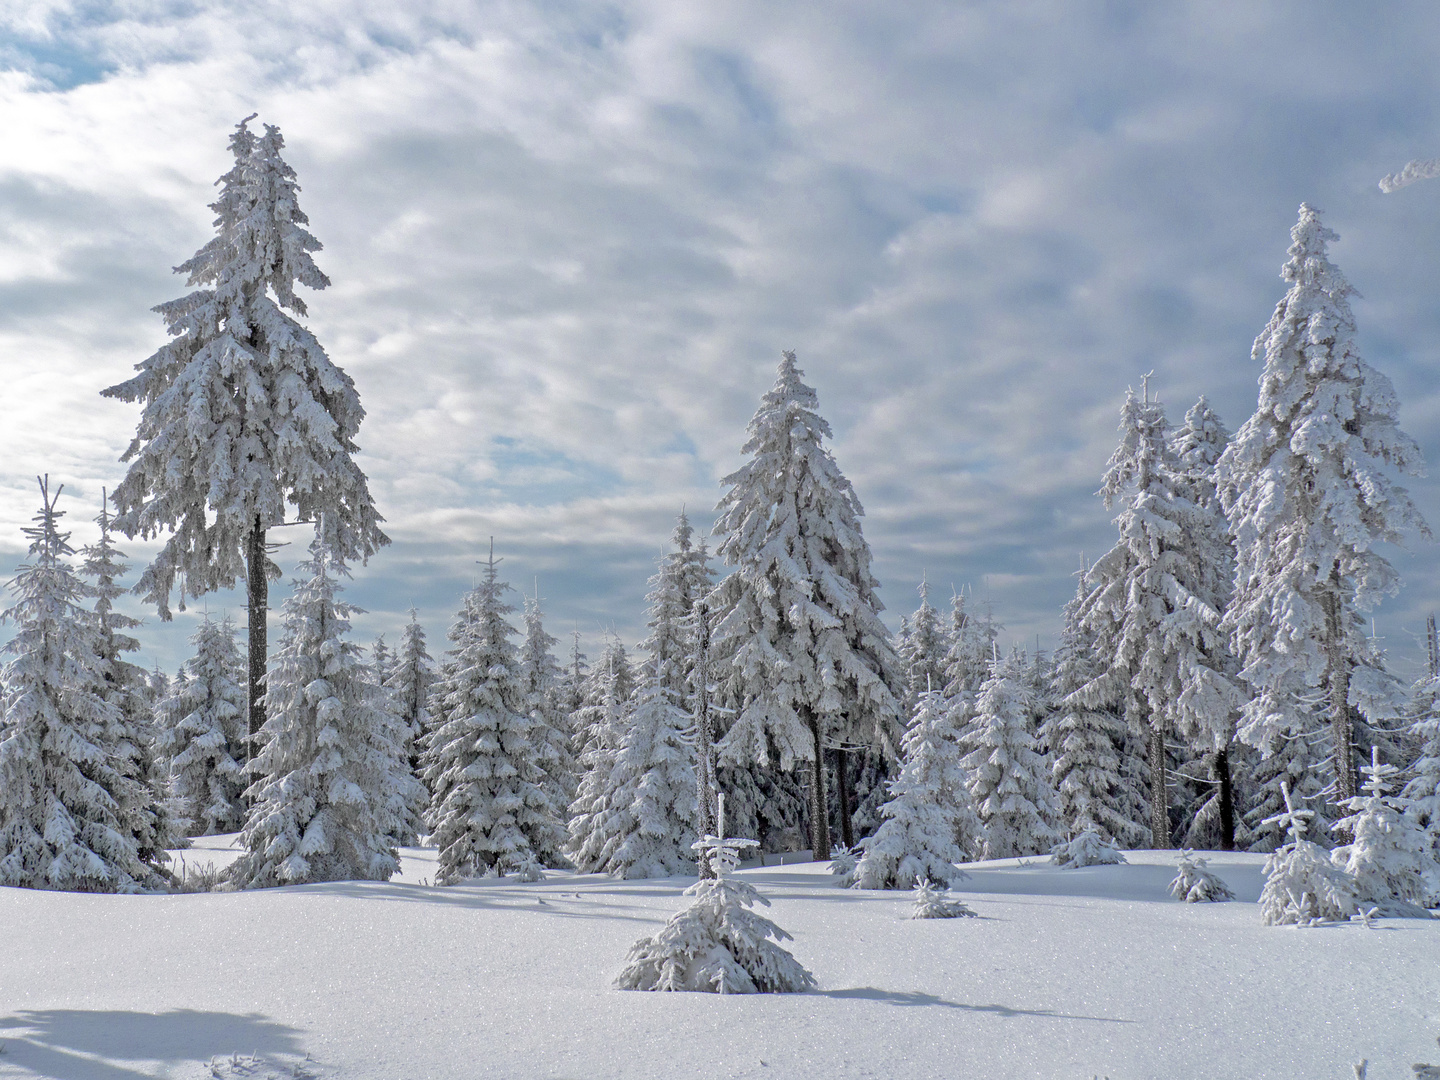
{"x":935,"y":903}
{"x":198,"y":877}
{"x":1090,"y":848}
{"x":1195,"y":884}
{"x":527,"y":868}
{"x":1302,"y":885}
{"x":1389,"y":856}
{"x":843,"y":864}
{"x":717,"y":944}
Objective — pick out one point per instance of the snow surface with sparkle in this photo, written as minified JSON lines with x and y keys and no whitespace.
{"x":1065,"y":973}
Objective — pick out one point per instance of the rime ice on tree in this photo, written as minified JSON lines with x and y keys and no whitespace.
{"x":932,"y":902}
{"x":1089,"y":848}
{"x":1302,"y":885}
{"x":1009,"y":778}
{"x":1196,"y":884}
{"x":1388,"y":855}
{"x":60,"y":790}
{"x":326,"y":777}
{"x":1305,"y":485}
{"x":203,"y":734}
{"x":717,"y":944}
{"x":489,"y":810}
{"x":798,"y":630}
{"x":929,"y":823}
{"x":242,"y":411}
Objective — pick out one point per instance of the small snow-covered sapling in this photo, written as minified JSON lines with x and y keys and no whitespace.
{"x":843,"y":864}
{"x":1195,"y":884}
{"x":1302,"y":886}
{"x":717,"y":944}
{"x":1090,"y":848}
{"x":932,"y":902}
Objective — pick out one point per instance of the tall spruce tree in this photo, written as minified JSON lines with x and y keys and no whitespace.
{"x":326,"y":779}
{"x":202,"y":734}
{"x":1306,"y":486}
{"x":63,"y":786}
{"x":489,"y":810}
{"x":924,"y":654}
{"x":1153,"y":608}
{"x":146,"y":815}
{"x":553,"y":750}
{"x":799,"y":632}
{"x":242,"y":411}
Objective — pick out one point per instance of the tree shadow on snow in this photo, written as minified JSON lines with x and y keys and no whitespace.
{"x":506,"y":896}
{"x":914,"y":998}
{"x":82,"y":1044}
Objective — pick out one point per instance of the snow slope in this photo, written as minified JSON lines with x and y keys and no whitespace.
{"x":1067,"y":973}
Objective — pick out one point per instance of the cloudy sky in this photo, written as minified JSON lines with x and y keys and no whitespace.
{"x":569,"y":240}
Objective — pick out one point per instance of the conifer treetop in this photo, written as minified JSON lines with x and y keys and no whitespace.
{"x":242,"y":411}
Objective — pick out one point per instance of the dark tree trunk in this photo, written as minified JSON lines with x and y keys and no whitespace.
{"x":1159,"y":793}
{"x":842,"y":781}
{"x":258,"y":590}
{"x":1337,"y":679}
{"x":819,"y":802}
{"x":1227,"y":799}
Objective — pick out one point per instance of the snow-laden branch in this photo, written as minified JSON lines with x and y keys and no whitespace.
{"x":1415,"y":170}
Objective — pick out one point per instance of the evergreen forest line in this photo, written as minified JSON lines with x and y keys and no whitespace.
{"x":1213,"y":686}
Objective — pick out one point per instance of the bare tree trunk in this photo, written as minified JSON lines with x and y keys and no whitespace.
{"x":1227,"y":799}
{"x":1337,"y":680}
{"x":819,"y":808}
{"x":258,"y":590}
{"x":842,"y":780}
{"x":1159,"y":793}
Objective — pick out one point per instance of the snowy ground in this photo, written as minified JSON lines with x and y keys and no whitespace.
{"x":1068,"y":973}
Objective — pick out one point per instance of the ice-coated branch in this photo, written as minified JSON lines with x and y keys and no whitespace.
{"x":1413,"y":171}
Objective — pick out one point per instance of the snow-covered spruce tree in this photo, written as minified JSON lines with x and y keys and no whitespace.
{"x":1154,"y":604}
{"x":1196,"y":884}
{"x":923,"y":653}
{"x":717,"y":945}
{"x":382,"y":661}
{"x":489,"y":811}
{"x":553,"y":737}
{"x":1091,"y":790}
{"x":929,"y":823}
{"x":1305,"y":485}
{"x":1009,"y":779}
{"x":572,"y":682}
{"x":1423,"y":787}
{"x":61,"y":792}
{"x":640,"y":818}
{"x":601,"y":726}
{"x":1197,"y":445}
{"x":203,"y":734}
{"x":326,"y":778}
{"x":1302,"y":885}
{"x":805,"y":655}
{"x":1388,"y":855}
{"x":242,"y":411}
{"x":410,"y":681}
{"x":1293,"y":764}
{"x":145,"y":816}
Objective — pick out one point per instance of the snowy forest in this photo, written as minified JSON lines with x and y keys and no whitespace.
{"x":1214,"y":686}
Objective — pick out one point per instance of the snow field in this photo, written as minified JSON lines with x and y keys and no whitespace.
{"x":1067,"y":973}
